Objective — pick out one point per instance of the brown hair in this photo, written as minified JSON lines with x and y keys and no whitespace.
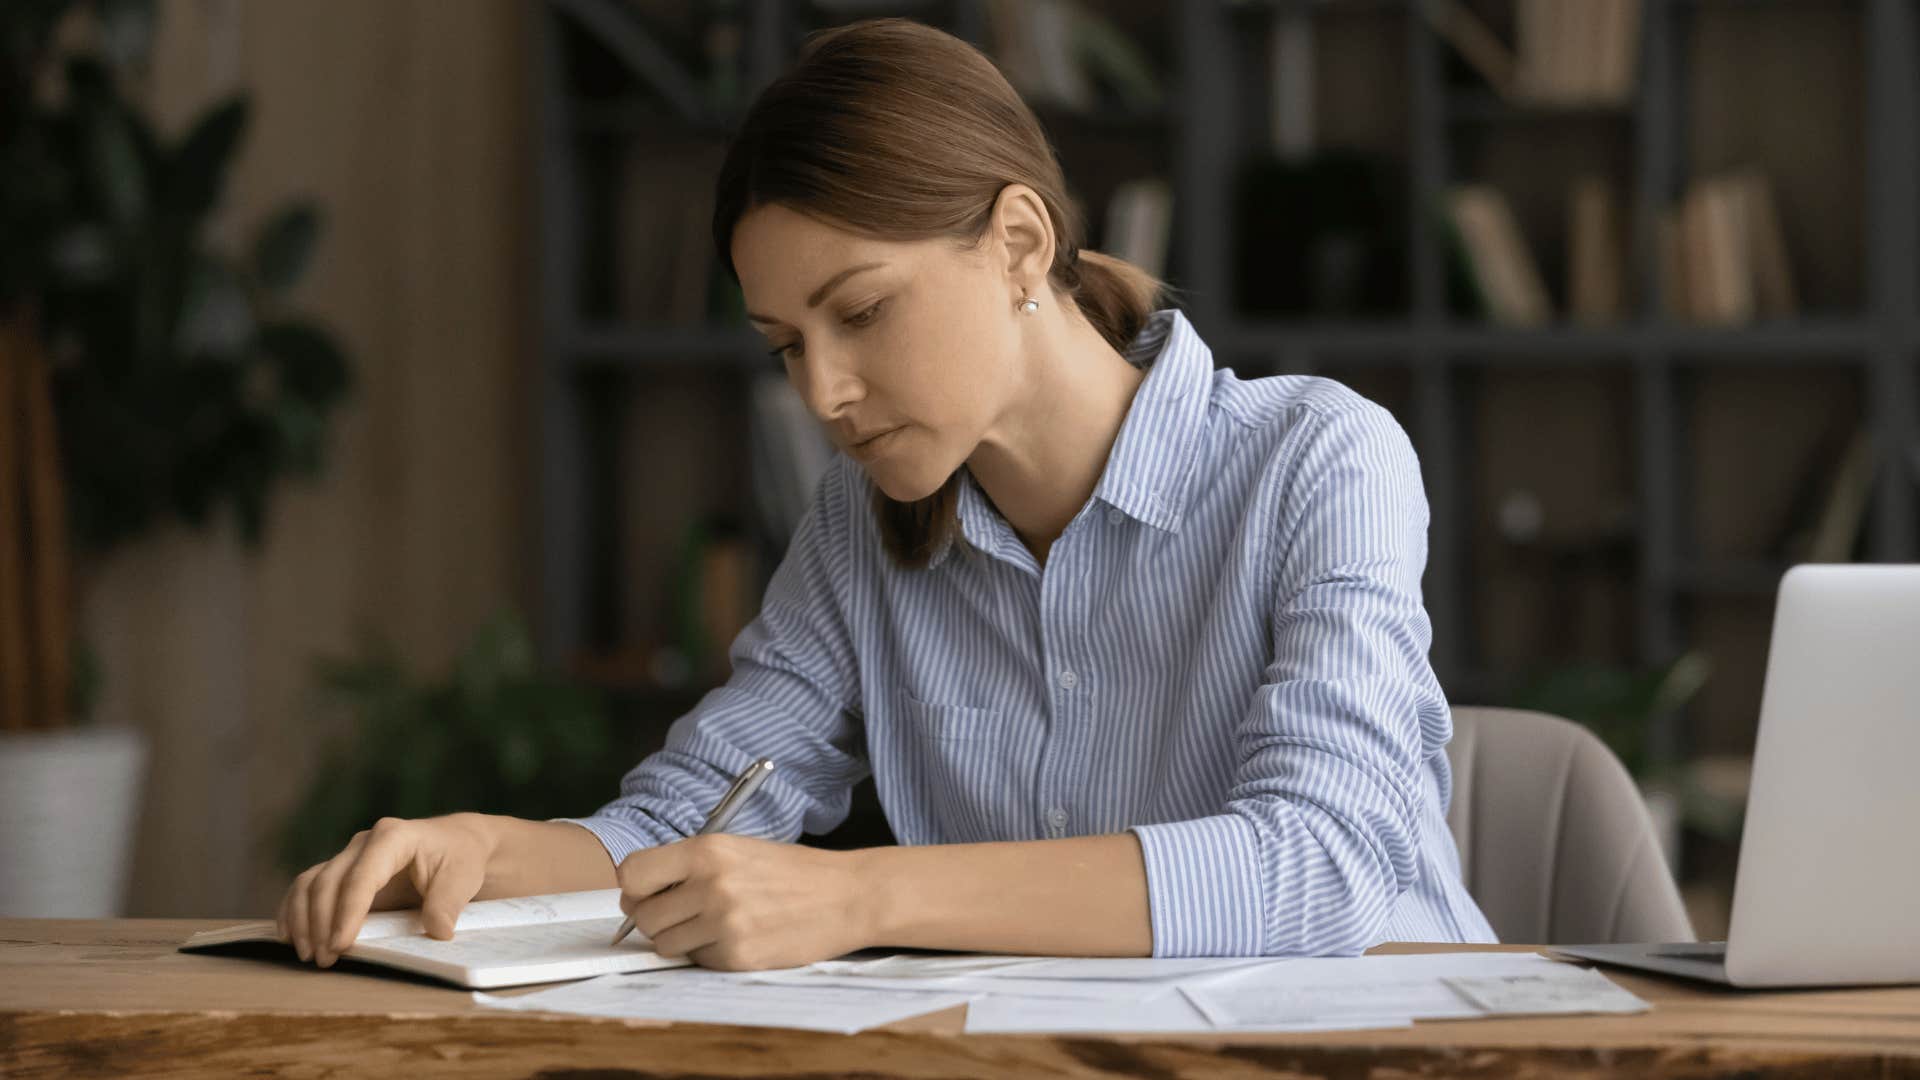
{"x":900,"y":131}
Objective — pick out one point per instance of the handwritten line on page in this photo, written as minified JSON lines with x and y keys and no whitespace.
{"x":715,"y":997}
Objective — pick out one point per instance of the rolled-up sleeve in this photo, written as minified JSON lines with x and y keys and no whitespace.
{"x":1322,"y":825}
{"x":792,"y":696}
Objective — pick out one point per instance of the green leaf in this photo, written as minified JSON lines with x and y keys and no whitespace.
{"x":302,"y":434}
{"x":117,"y":169}
{"x":198,"y":171}
{"x":310,"y":365}
{"x":285,"y":246}
{"x":215,"y":316}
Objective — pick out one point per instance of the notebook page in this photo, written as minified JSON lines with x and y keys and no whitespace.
{"x":508,"y":946}
{"x":507,"y":911}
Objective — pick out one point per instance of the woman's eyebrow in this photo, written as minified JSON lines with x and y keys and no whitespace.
{"x":820,"y":293}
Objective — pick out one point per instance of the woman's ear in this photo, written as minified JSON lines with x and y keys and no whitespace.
{"x":1025,"y":230}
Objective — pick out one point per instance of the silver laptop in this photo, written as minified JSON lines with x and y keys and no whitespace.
{"x":1827,"y":892}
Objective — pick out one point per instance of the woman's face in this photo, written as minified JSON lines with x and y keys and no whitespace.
{"x":904,"y":351}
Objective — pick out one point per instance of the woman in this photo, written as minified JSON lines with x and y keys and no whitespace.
{"x":1134,"y":649}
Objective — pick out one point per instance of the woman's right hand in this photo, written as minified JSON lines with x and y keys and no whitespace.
{"x":437,"y":863}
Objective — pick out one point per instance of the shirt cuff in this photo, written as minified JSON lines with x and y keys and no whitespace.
{"x":622,"y":836}
{"x":1203,"y":887}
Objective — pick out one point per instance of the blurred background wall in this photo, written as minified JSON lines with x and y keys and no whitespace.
{"x":408,"y":123}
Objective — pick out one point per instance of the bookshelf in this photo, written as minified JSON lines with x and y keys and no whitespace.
{"x":1681,"y":396}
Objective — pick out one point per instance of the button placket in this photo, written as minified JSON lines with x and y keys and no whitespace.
{"x":1062,"y":622}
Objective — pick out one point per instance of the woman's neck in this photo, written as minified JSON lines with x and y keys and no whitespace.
{"x":1043,"y":458}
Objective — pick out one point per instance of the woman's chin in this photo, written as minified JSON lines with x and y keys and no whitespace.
{"x":901,"y":482}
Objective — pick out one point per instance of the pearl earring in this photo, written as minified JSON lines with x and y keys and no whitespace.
{"x":1029,"y":305}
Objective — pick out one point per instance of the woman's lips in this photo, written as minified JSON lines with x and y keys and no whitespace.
{"x":872,"y":447}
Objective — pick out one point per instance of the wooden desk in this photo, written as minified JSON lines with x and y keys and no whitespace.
{"x":113,"y":998}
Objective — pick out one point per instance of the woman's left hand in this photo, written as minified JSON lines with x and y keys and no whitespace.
{"x":741,"y":904}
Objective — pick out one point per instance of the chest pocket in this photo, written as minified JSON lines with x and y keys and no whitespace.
{"x":950,"y":723}
{"x":957,"y":766}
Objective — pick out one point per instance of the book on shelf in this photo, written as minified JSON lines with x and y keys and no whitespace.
{"x":1719,"y":288}
{"x":1732,"y":257}
{"x":1291,"y":59}
{"x":716,"y":594}
{"x":1827,"y":515}
{"x":1566,"y":52}
{"x":1595,"y":264}
{"x":1139,"y":223}
{"x":1775,"y":295}
{"x":1843,"y":515}
{"x":1502,"y":268}
{"x":1475,"y":41}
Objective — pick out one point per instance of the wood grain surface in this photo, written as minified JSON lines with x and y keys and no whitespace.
{"x":113,"y":998}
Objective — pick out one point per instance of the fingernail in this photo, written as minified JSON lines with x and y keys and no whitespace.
{"x":301,"y":951}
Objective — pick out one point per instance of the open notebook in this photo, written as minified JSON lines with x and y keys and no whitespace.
{"x":511,"y":942}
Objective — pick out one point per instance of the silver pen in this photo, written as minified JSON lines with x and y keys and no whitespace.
{"x":738,"y":793}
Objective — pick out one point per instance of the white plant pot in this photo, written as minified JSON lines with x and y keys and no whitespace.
{"x":69,"y":802}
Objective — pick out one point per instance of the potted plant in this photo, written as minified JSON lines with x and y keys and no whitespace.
{"x":494,"y":735}
{"x":1621,"y":705}
{"x":146,"y":376}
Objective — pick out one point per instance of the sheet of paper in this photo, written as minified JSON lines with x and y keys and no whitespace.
{"x":1110,"y":990}
{"x":717,"y":997}
{"x":915,"y":965}
{"x":986,"y":965}
{"x":1166,"y":1010}
{"x":1573,"y":990}
{"x":1328,"y":988}
{"x":1137,"y":969}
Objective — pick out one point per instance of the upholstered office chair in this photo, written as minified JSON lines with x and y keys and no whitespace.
{"x":1555,"y":841}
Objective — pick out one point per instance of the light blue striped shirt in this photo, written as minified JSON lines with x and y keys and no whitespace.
{"x":1225,"y":653}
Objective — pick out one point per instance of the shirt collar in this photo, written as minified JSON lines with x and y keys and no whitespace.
{"x":1150,"y":467}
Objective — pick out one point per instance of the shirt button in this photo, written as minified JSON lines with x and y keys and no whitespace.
{"x":1115,"y":515}
{"x":1056,"y":821}
{"x":1068,"y":680}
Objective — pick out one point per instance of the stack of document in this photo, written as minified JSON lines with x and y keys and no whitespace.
{"x":1056,"y":994}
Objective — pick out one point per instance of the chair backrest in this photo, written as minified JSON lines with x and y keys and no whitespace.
{"x":1555,"y":841}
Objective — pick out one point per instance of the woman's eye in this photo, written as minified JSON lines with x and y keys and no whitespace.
{"x":862,"y":318}
{"x":859,"y":318}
